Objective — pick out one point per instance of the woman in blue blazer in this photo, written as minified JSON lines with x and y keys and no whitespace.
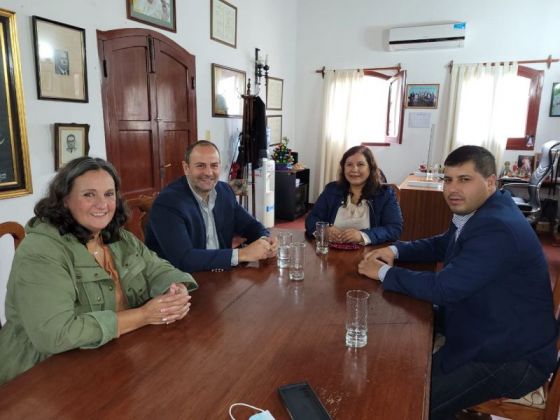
{"x":358,"y":207}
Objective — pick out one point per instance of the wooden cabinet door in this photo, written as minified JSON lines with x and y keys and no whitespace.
{"x":149,"y":107}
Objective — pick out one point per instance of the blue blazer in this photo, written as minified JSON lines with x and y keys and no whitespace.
{"x":385,"y":218}
{"x":176,"y":230}
{"x":494,"y":289}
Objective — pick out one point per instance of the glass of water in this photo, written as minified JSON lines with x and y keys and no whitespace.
{"x":356,"y":318}
{"x":297,"y":260}
{"x":321,"y":238}
{"x":283,"y":254}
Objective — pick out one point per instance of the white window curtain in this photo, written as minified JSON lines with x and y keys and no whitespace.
{"x":480,"y":106}
{"x":341,"y":113}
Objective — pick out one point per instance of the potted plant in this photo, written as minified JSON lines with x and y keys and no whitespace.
{"x":282,"y":155}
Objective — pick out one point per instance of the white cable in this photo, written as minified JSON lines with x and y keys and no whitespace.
{"x":244,"y":405}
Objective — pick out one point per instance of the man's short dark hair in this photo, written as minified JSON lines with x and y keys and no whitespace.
{"x":196,"y":144}
{"x":484,"y":161}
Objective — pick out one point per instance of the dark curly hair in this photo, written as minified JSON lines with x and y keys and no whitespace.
{"x":374,"y":180}
{"x":51,"y":209}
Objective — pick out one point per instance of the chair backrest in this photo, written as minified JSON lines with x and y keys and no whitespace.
{"x":549,"y":153}
{"x":139,"y":210}
{"x":16,"y":231}
{"x":396,"y":189}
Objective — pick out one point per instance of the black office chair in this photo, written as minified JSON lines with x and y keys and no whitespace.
{"x":526,"y":194}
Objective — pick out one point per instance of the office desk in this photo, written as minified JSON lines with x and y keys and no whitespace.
{"x":424,"y":210}
{"x":249,"y":331}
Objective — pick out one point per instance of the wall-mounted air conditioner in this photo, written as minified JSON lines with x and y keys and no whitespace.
{"x":445,"y":35}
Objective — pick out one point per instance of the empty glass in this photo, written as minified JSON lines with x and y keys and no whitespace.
{"x":356,"y":318}
{"x":321,"y":238}
{"x":297,"y":260}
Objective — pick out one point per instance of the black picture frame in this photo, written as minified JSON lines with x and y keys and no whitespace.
{"x":15,"y":170}
{"x":160,"y":13}
{"x":60,"y":61}
{"x":555,"y":100}
{"x":71,"y":141}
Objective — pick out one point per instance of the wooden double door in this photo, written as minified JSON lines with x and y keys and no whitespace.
{"x":149,"y":107}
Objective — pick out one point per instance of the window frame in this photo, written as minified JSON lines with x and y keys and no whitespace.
{"x":400,"y":76}
{"x":535,"y":90}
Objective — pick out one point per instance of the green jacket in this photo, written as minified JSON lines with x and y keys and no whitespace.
{"x":59,"y":298}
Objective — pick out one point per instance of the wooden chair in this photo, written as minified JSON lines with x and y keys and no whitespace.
{"x":139,"y":210}
{"x":506,"y":408}
{"x":15,"y":230}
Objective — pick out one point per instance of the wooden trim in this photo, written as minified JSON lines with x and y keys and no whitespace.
{"x":376,"y":144}
{"x":535,"y":89}
{"x":396,"y":68}
{"x":549,"y":60}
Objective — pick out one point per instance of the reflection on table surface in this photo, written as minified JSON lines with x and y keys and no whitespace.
{"x":249,"y":331}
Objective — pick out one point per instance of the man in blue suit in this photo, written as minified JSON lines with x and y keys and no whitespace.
{"x":193,"y":220}
{"x":493,"y":296}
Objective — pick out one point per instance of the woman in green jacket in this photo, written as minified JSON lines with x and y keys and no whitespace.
{"x":78,"y":279}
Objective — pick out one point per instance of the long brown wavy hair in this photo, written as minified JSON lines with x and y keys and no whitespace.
{"x":373,"y":182}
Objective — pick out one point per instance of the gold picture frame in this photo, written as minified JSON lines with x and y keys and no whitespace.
{"x":227,"y":87}
{"x":60,"y":61}
{"x":15,"y":171}
{"x":71,"y":141}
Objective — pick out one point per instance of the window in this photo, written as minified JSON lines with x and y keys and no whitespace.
{"x":383,"y":108}
{"x":526,"y":98}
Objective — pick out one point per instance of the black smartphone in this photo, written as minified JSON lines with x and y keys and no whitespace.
{"x":302,"y":402}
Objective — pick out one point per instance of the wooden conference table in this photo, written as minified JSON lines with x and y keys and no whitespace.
{"x":249,"y":331}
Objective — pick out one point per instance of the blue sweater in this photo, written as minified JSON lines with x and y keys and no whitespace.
{"x":494,"y":290}
{"x":176,"y":230}
{"x":385,"y":218}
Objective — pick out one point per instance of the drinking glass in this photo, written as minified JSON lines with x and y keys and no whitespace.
{"x":283,"y":254}
{"x":356,"y":318}
{"x":297,"y":260}
{"x":321,"y":238}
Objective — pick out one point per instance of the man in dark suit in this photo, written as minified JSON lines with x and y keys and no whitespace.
{"x":493,"y":296}
{"x":193,"y":220}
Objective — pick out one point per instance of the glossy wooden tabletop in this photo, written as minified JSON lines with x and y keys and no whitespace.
{"x":249,"y":331}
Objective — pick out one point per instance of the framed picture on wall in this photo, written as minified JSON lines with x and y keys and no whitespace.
{"x":158,"y":13}
{"x":227,"y":87}
{"x":274,"y":90}
{"x":274,"y":123}
{"x":60,"y":61}
{"x":555,"y":100}
{"x":223,"y":22}
{"x":70,"y":142}
{"x":15,"y":172}
{"x":422,"y":96}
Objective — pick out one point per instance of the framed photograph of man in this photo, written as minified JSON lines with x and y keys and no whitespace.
{"x":70,"y":142}
{"x":60,"y":61}
{"x":15,"y":172}
{"x":422,"y":96}
{"x":158,"y":13}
